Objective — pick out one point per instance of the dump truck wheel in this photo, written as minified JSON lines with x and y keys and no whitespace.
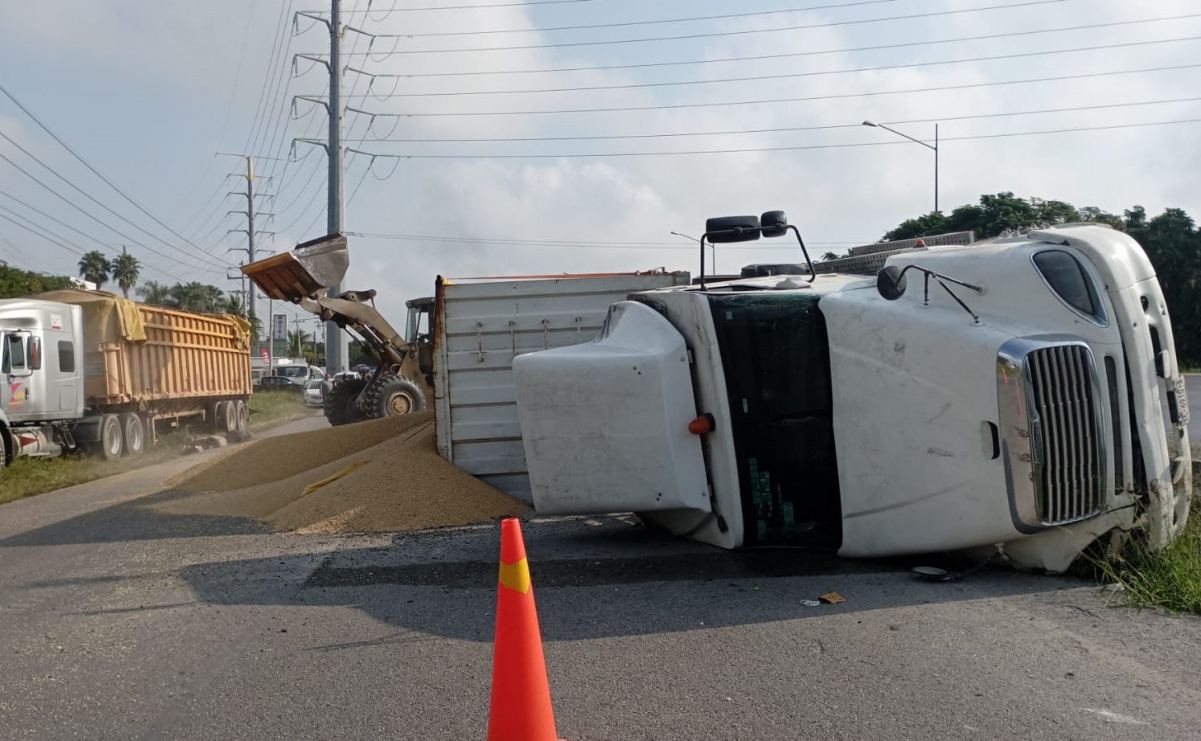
{"x":242,"y":414}
{"x":339,"y":406}
{"x":216,"y":419}
{"x":392,"y":395}
{"x":231,"y":417}
{"x":133,"y":433}
{"x":111,"y":442}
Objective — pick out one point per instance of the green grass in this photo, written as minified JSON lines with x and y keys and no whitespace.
{"x":1168,"y":579}
{"x":269,"y":407}
{"x":26,"y":477}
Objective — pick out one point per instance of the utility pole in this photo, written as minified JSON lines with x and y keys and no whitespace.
{"x":251,"y":212}
{"x":334,"y":212}
{"x":335,"y":204}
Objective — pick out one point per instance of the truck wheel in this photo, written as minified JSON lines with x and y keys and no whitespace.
{"x":134,"y":433}
{"x":242,"y":415}
{"x":231,"y":417}
{"x":110,"y":437}
{"x":3,"y":448}
{"x":339,"y":405}
{"x":216,"y":418}
{"x":391,"y":395}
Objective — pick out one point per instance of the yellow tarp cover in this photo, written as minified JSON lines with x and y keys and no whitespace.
{"x":107,"y":317}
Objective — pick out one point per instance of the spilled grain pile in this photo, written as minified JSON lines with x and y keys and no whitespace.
{"x":373,"y":476}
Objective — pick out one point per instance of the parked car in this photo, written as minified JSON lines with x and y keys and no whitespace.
{"x":280,"y":383}
{"x":312,"y":393}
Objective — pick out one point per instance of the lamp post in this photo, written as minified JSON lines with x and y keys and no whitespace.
{"x":924,"y":144}
{"x":694,"y":239}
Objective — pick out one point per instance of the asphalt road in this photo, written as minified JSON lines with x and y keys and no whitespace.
{"x":118,"y":622}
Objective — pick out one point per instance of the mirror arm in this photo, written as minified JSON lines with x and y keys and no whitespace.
{"x":804,"y":251}
{"x":940,"y":278}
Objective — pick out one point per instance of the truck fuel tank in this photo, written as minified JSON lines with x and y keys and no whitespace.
{"x":307,"y":271}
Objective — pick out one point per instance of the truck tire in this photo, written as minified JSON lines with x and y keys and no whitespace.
{"x":111,"y":439}
{"x":339,"y":406}
{"x":216,"y":418}
{"x":133,"y":433}
{"x":230,"y":422}
{"x":242,"y":414}
{"x":391,"y":395}
{"x":3,"y":447}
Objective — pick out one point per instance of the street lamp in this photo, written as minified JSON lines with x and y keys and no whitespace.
{"x":924,"y":144}
{"x":694,"y":239}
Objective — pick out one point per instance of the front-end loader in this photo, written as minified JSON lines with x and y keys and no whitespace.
{"x":403,"y":377}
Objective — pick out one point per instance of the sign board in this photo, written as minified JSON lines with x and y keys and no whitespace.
{"x":279,"y":327}
{"x":266,"y":355}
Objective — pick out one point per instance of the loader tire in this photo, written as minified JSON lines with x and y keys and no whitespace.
{"x":391,"y":395}
{"x":339,"y":406}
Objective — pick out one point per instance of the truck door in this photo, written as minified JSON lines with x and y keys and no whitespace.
{"x":15,"y":370}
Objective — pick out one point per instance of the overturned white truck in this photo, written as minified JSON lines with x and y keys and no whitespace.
{"x":1002,"y":395}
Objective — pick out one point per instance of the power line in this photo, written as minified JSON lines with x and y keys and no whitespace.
{"x":98,"y":174}
{"x":35,"y":179}
{"x":782,"y":129}
{"x":74,"y":249}
{"x":774,"y":149}
{"x":550,"y":243}
{"x":714,"y":34}
{"x":261,"y":108}
{"x":789,"y":55}
{"x":720,"y":104}
{"x":625,"y":24}
{"x":465,"y":7}
{"x":56,"y":220}
{"x":790,"y":75}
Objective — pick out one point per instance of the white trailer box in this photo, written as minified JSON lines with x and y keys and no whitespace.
{"x":479,"y":326}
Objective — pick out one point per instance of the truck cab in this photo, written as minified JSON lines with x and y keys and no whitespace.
{"x":41,"y":375}
{"x":1003,"y":394}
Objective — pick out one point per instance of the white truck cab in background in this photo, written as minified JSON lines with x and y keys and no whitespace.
{"x":1003,"y":395}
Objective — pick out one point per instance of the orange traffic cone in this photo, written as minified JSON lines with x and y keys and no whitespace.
{"x":521,"y":709}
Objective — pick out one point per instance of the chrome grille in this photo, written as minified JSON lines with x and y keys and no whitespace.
{"x":1069,"y":470}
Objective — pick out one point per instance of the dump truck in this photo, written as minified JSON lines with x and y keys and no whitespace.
{"x":1000,"y":397}
{"x":93,"y":370}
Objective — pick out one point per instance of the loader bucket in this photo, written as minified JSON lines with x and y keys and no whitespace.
{"x":309,"y":270}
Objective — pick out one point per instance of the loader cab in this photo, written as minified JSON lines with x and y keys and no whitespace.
{"x":419,"y":332}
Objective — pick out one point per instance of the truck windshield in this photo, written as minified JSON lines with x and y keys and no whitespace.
{"x":776,"y":359}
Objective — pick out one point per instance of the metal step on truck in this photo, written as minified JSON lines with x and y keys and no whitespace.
{"x":997,"y":397}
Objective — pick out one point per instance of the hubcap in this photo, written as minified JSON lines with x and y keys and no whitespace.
{"x":399,"y":404}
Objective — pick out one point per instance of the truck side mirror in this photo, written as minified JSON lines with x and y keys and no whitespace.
{"x":727,"y":229}
{"x":774,"y":223}
{"x":891,"y":283}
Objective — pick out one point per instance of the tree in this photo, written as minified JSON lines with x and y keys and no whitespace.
{"x":155,"y":293}
{"x":18,"y":283}
{"x":1171,"y":240}
{"x":297,"y":339}
{"x":923,"y":226}
{"x":94,"y":267}
{"x":124,"y":270}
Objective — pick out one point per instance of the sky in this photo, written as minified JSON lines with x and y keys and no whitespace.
{"x":492,"y":137}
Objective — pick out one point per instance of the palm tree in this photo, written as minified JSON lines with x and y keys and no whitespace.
{"x":296,"y":342}
{"x":94,"y":267}
{"x":124,"y":270}
{"x":230,"y":304}
{"x":153,"y":292}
